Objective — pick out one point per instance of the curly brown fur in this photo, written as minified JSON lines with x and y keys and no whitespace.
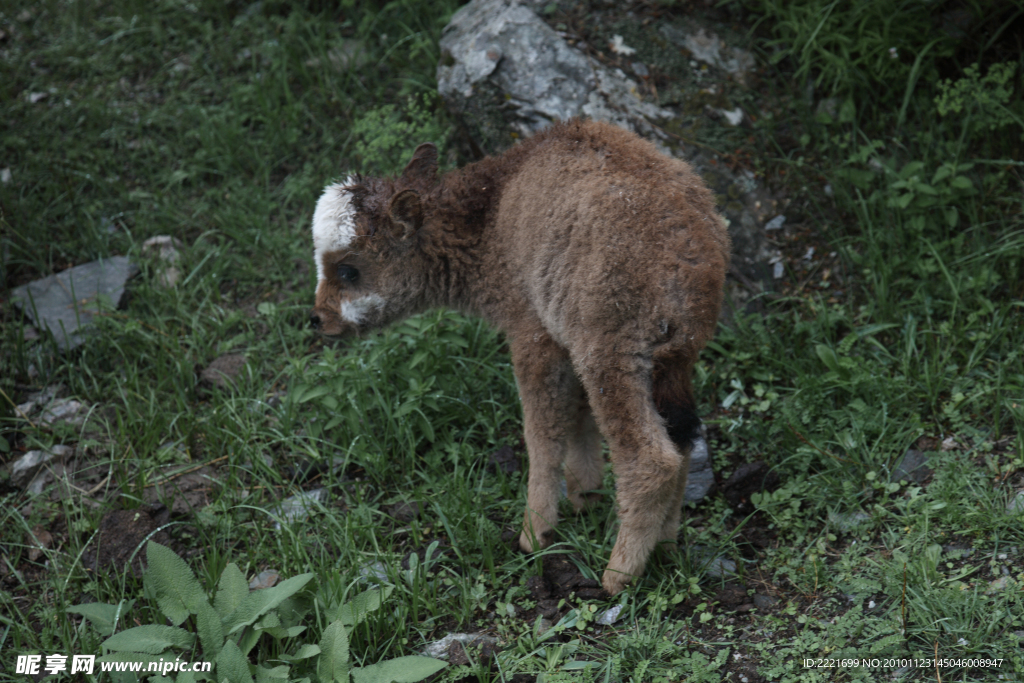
{"x":602,"y":260}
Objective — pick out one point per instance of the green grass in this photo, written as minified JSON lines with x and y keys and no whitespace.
{"x":219,"y":123}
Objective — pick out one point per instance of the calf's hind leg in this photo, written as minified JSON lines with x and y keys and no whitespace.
{"x":554,"y":408}
{"x":673,"y":397}
{"x":648,"y":467}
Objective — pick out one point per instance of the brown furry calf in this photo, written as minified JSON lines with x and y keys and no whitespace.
{"x":602,"y":261}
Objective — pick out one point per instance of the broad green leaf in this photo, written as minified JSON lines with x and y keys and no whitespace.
{"x":333,"y":662}
{"x":305,"y":652}
{"x":265,"y":675}
{"x":172,"y":583}
{"x":962,"y":183}
{"x":101,"y":615}
{"x":247,"y":642}
{"x":258,"y":603}
{"x":315,"y":392}
{"x":231,"y":665}
{"x":280,"y":633}
{"x":400,"y":670}
{"x":829,"y":358}
{"x":231,"y":591}
{"x":151,"y":639}
{"x":211,"y":631}
{"x":356,"y":609}
{"x":185,"y":677}
{"x":293,"y":610}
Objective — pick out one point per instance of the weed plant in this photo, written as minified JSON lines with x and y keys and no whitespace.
{"x":219,"y":123}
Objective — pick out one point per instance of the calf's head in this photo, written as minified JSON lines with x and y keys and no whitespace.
{"x":369,"y":269}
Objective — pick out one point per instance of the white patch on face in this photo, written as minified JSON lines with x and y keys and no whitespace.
{"x":334,"y":222}
{"x":355,"y":311}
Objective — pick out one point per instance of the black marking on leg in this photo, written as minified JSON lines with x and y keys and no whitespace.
{"x":682,"y":424}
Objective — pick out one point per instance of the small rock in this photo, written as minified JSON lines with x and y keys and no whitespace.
{"x":298,"y":506}
{"x":1016,"y":504}
{"x":733,"y":116}
{"x":949,"y":444}
{"x":66,"y":410}
{"x":619,"y":47}
{"x":846,"y":521}
{"x":763,"y":602}
{"x":778,"y":270}
{"x":41,"y":540}
{"x":25,"y":468}
{"x":439,"y":648}
{"x":1000,"y":584}
{"x":5,"y":175}
{"x":715,"y":566}
{"x":221,"y":373}
{"x":164,"y":248}
{"x":913,"y":466}
{"x":543,"y":625}
{"x":265,"y":579}
{"x":36,"y":97}
{"x":701,"y":477}
{"x":775,"y":223}
{"x":376,"y":572}
{"x":829,"y":107}
{"x":405,"y":512}
{"x":610,"y":615}
{"x":640,"y":69}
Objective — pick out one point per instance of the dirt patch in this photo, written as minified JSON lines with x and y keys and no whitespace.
{"x":121,"y":536}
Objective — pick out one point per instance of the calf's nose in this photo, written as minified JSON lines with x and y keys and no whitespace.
{"x":314,"y":321}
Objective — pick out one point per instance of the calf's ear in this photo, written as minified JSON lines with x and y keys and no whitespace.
{"x":407,"y":211}
{"x":423,"y":165}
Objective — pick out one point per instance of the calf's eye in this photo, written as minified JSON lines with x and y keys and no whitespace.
{"x":348,"y":273}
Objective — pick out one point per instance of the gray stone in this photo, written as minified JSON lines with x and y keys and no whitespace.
{"x":164,"y":249}
{"x":66,"y":410}
{"x":65,"y":303}
{"x":25,"y":468}
{"x":716,"y":566}
{"x":763,"y":602}
{"x":847,"y":521}
{"x":265,"y":579}
{"x":223,"y":370}
{"x":507,"y":74}
{"x":913,"y":466}
{"x":1016,"y":504}
{"x":439,"y":648}
{"x":701,"y":477}
{"x":299,"y":506}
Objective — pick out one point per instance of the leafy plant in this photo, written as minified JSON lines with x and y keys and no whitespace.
{"x":983,"y":101}
{"x":229,"y":629}
{"x":386,"y":136}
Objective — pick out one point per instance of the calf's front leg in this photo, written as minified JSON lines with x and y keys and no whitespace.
{"x":555,"y":418}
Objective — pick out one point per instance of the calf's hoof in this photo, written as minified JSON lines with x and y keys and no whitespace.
{"x":615,"y":582}
{"x":529,"y":542}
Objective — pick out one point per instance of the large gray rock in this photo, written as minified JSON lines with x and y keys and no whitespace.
{"x":505,"y":74}
{"x":65,"y":303}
